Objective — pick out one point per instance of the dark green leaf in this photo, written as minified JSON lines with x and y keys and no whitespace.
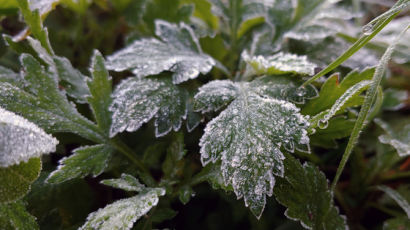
{"x":14,"y":216}
{"x":126,"y":182}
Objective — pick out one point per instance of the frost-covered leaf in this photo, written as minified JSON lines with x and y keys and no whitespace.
{"x":44,"y":6}
{"x":214,"y":95}
{"x":333,"y":89}
{"x":85,"y":161}
{"x":400,"y":200}
{"x":304,"y":191}
{"x":393,"y":99}
{"x":16,"y":180}
{"x":248,"y":134}
{"x":178,"y":51}
{"x":397,"y":135}
{"x":44,"y":104}
{"x":399,"y":223}
{"x":280,"y":63}
{"x":21,"y":140}
{"x":136,"y":101}
{"x":122,"y":214}
{"x":15,"y":216}
{"x":126,"y":182}
{"x":7,"y":75}
{"x":101,"y":88}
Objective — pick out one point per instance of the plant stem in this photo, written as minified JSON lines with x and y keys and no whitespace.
{"x":364,"y":111}
{"x":126,"y":151}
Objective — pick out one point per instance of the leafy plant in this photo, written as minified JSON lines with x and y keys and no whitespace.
{"x":246,"y":78}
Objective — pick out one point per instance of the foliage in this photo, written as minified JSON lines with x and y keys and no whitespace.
{"x":246,"y":78}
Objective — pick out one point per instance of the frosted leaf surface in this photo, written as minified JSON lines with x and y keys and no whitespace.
{"x":7,"y":75}
{"x":44,"y":6}
{"x":280,"y":63}
{"x":397,"y":135}
{"x":178,"y":51}
{"x":304,"y":191}
{"x":122,"y":214}
{"x":44,"y":104}
{"x":85,"y":161}
{"x":126,"y":182}
{"x":15,"y":216}
{"x":214,"y":95}
{"x":136,"y":101}
{"x":21,"y":140}
{"x":247,"y":136}
{"x":396,"y":196}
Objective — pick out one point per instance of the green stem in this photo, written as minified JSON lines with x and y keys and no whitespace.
{"x":126,"y":151}
{"x":364,"y":111}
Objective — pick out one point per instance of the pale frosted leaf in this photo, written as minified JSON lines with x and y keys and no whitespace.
{"x":16,"y":180}
{"x":43,"y":103}
{"x":88,"y":160}
{"x":122,"y":214}
{"x":215,"y":95}
{"x":136,"y":101}
{"x":394,"y":99}
{"x":126,"y":182}
{"x":401,"y":201}
{"x":280,"y":63}
{"x":304,"y":191}
{"x":397,"y":135}
{"x":178,"y":51}
{"x":44,"y":6}
{"x":7,"y":75}
{"x":247,"y":136}
{"x":15,"y":216}
{"x":21,"y":140}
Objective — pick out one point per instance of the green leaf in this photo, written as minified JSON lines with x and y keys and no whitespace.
{"x":399,"y":223}
{"x":136,"y":101}
{"x":126,"y":182}
{"x":248,"y":135}
{"x":393,"y":99}
{"x":14,"y":216}
{"x":332,"y":90}
{"x":7,"y":75}
{"x":400,"y":200}
{"x":21,"y":140}
{"x":122,"y":214}
{"x":173,"y":162}
{"x":304,"y":191}
{"x":134,"y":11}
{"x":178,"y":51}
{"x":338,"y":127}
{"x":85,"y":161}
{"x":280,"y":63}
{"x":44,"y":104}
{"x":16,"y":180}
{"x":397,"y":135}
{"x":101,"y":88}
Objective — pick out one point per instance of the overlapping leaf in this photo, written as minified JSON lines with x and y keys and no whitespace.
{"x":247,"y":136}
{"x":304,"y":191}
{"x":136,"y":101}
{"x":21,"y":140}
{"x":177,"y":51}
{"x":397,"y":135}
{"x":16,"y":180}
{"x":122,"y":214}
{"x":15,"y":216}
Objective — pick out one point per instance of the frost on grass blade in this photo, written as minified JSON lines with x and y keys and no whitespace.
{"x":304,"y":191}
{"x":247,"y":136}
{"x":126,"y":182}
{"x":122,"y":214}
{"x":136,"y":101}
{"x":280,"y":63}
{"x":396,"y":196}
{"x":21,"y":140}
{"x":85,"y":161}
{"x":178,"y":51}
{"x":16,"y":180}
{"x":397,"y":135}
{"x":15,"y":216}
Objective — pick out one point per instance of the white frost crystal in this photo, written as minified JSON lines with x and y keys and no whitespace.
{"x":122,"y":214}
{"x":21,"y":140}
{"x":43,"y":6}
{"x":178,"y":51}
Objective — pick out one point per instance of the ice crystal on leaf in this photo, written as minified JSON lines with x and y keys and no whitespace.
{"x":248,"y":135}
{"x":178,"y":51}
{"x":122,"y":214}
{"x":136,"y":101}
{"x":21,"y":140}
{"x":397,"y":135}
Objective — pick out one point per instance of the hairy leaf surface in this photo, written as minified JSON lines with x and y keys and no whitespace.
{"x":136,"y":101}
{"x":15,"y":216}
{"x":248,"y":134}
{"x":16,"y":180}
{"x":304,"y":191}
{"x":21,"y":140}
{"x":178,"y":51}
{"x":88,"y":160}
